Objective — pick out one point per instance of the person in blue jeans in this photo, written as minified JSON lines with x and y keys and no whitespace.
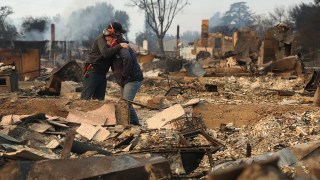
{"x":127,"y":72}
{"x":98,"y":64}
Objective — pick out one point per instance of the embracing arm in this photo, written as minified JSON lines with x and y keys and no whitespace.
{"x":105,"y":49}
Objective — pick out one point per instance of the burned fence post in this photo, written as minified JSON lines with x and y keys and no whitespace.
{"x":67,"y":145}
{"x":249,"y":149}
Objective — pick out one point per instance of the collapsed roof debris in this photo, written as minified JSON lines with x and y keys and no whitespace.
{"x":244,"y":108}
{"x":70,"y":71}
{"x":8,"y":78}
{"x":93,"y":167}
{"x":209,"y":131}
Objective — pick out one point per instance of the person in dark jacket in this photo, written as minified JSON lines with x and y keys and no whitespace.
{"x":98,"y":64}
{"x":127,"y":73}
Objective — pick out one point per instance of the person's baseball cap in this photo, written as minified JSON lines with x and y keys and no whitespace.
{"x":116,"y":27}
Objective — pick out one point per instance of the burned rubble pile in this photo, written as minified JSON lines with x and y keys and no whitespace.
{"x":6,"y":67}
{"x":8,"y":77}
{"x":185,"y":132}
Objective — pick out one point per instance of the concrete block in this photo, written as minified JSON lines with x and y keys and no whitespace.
{"x":40,"y":127}
{"x":101,"y":135}
{"x":160,"y":119}
{"x":80,"y":117}
{"x":105,"y":115}
{"x":191,"y":102}
{"x":68,"y":87}
{"x":10,"y":119}
{"x":107,"y":111}
{"x":87,"y":130}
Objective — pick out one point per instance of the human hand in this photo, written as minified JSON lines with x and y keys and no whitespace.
{"x":124,"y":45}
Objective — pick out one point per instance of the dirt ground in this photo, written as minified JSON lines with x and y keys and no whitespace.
{"x":213,"y":114}
{"x":243,"y":115}
{"x":241,"y":101}
{"x":270,"y":113}
{"x":50,"y":106}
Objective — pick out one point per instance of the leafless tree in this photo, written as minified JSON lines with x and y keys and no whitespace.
{"x":278,"y":15}
{"x":5,"y":11}
{"x":261,"y":23}
{"x":7,"y":30}
{"x":160,"y":14}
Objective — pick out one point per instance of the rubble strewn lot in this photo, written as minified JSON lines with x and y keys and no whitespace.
{"x":238,"y":121}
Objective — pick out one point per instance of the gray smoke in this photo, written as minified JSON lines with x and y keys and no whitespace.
{"x":81,"y":25}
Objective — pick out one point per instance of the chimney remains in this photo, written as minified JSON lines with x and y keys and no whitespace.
{"x":178,"y":41}
{"x":145,"y":44}
{"x":204,"y":32}
{"x":52,"y":41}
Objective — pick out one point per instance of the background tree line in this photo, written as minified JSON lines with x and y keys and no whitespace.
{"x":82,"y":25}
{"x":303,"y":18}
{"x":85,"y":24}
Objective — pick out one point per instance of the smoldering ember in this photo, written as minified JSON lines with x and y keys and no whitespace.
{"x":230,"y":105}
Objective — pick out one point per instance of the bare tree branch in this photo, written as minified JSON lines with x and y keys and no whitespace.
{"x":160,"y":14}
{"x":279,"y":14}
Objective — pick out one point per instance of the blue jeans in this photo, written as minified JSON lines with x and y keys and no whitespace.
{"x":128,"y":92}
{"x":94,"y":86}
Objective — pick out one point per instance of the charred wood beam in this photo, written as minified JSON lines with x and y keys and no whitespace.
{"x":141,"y":105}
{"x":165,"y":150}
{"x":82,"y":147}
{"x":33,"y":118}
{"x":234,"y":172}
{"x":191,"y":160}
{"x":249,"y":149}
{"x":125,"y":142}
{"x":121,"y":167}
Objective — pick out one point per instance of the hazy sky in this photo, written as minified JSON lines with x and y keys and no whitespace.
{"x":189,"y":19}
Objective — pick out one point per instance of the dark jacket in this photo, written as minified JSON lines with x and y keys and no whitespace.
{"x":101,"y":54}
{"x":125,"y":67}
